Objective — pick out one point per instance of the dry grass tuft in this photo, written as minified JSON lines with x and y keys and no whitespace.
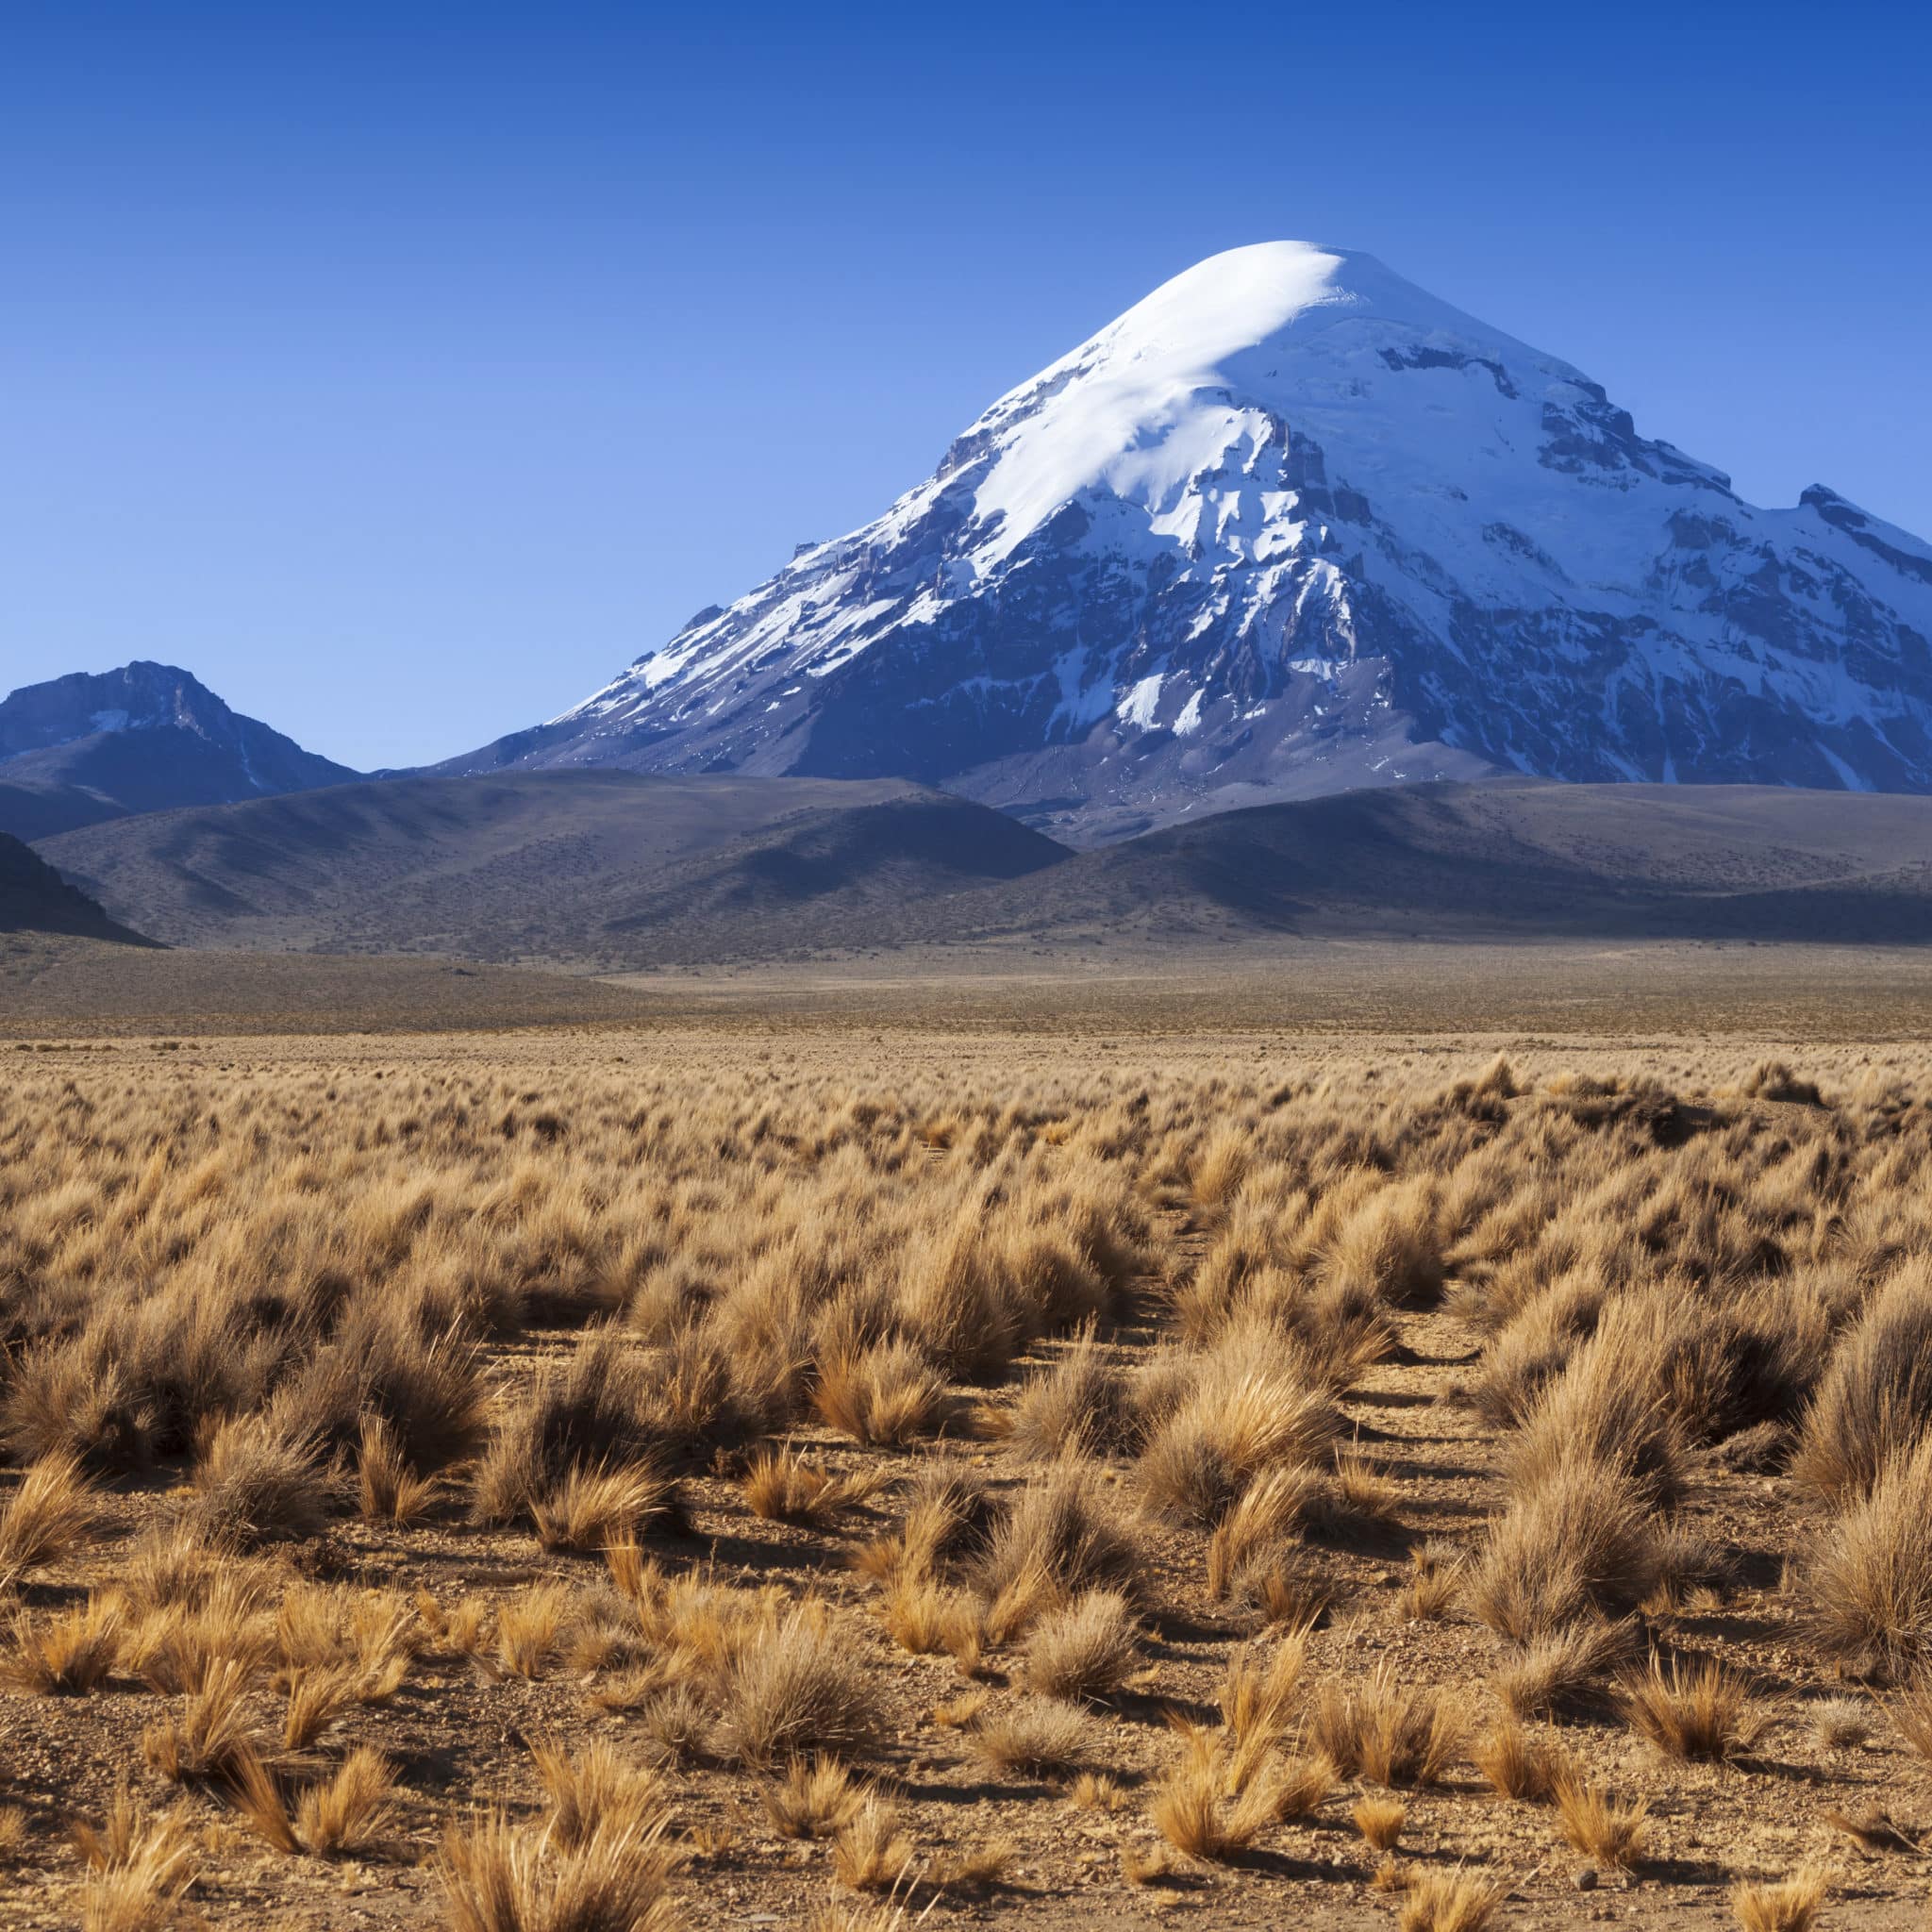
{"x":1390,"y":1733}
{"x":813,"y":1799}
{"x":1868,"y":1580}
{"x":1458,"y":1901}
{"x":886,"y":1394}
{"x":1840,"y":1723}
{"x":590,"y":1510}
{"x":138,"y":1864}
{"x":782,"y":1486}
{"x":1911,"y":1712}
{"x":1035,"y":1734}
{"x":54,"y":1512}
{"x":1517,"y":1764}
{"x":1594,"y":1822}
{"x":1192,"y":1813}
{"x":256,"y":1483}
{"x":594,"y":1793}
{"x":1094,"y":1790}
{"x":495,"y":1878}
{"x":870,"y":1853}
{"x":1380,"y":1822}
{"x":212,"y":1728}
{"x":1705,"y":1712}
{"x":391,"y":1490}
{"x":797,"y":1690}
{"x":350,"y":1810}
{"x":527,"y":1627}
{"x":73,"y":1653}
{"x":1578,"y":1544}
{"x":1791,"y":1905}
{"x":1564,"y":1670}
{"x":1084,"y":1652}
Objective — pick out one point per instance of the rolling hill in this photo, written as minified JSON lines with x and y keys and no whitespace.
{"x":34,"y":898}
{"x":607,"y":870}
{"x":588,"y":867}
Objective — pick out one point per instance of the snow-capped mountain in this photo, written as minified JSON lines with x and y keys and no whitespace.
{"x":88,"y":748}
{"x":1291,"y":525}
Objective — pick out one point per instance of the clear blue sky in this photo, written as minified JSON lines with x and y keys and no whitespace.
{"x":405,"y":370}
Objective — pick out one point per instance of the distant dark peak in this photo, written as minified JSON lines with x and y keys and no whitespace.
{"x":145,"y":737}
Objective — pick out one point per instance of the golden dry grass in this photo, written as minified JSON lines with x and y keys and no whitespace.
{"x":586,"y":1471}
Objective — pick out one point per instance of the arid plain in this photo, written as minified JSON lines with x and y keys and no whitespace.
{"x":1294,"y":1442}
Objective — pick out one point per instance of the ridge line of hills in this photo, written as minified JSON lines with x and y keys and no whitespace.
{"x":602,"y":870}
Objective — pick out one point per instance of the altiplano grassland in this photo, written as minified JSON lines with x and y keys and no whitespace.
{"x":757,"y":1467}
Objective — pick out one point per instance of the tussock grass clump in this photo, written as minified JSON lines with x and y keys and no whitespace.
{"x":883,"y":1395}
{"x":596,"y":1414}
{"x":1380,"y":1822}
{"x":1085,"y":1651}
{"x":403,"y":1371}
{"x":53,"y":1512}
{"x":1866,"y":1580}
{"x":925,"y":1619}
{"x":870,"y":1853}
{"x":1517,"y":1764}
{"x":390,"y":1489}
{"x":1035,"y":1734}
{"x":1701,"y":1711}
{"x":1056,"y":1539}
{"x":782,"y":1486}
{"x":798,"y":1691}
{"x":138,"y":1864}
{"x":1193,"y":1815}
{"x":1840,"y":1723}
{"x":495,"y":1877}
{"x":592,"y":1508}
{"x":594,"y":1793}
{"x":1875,"y":1401}
{"x":815,"y":1799}
{"x":1458,"y":1901}
{"x":1257,"y":1697}
{"x":351,"y":1810}
{"x":1911,"y":1712}
{"x":1564,"y":1671}
{"x":1238,"y":1421}
{"x":1076,"y":1407}
{"x":1390,"y":1733}
{"x":1267,"y":1514}
{"x":1596,"y":1823}
{"x":1790,"y":1905}
{"x":212,"y":1728}
{"x":319,"y":1700}
{"x":72,"y":1652}
{"x":256,"y":1483}
{"x":1580,"y":1545}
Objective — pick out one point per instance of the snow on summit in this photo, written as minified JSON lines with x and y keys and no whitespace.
{"x":1291,"y":524}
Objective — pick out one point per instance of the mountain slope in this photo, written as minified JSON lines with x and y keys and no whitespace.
{"x":582,"y":866}
{"x":86,"y":748}
{"x":1291,"y":525}
{"x":35,"y":898}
